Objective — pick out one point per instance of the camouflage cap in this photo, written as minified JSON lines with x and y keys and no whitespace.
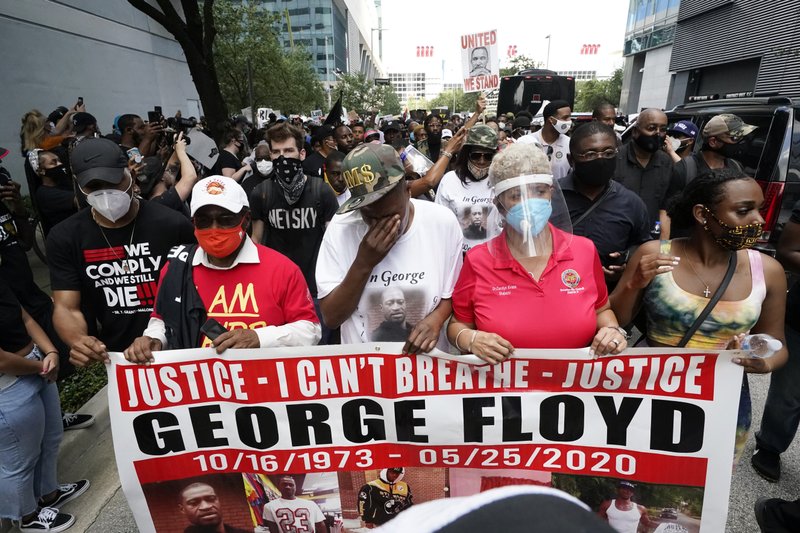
{"x":370,"y":172}
{"x":727,"y":123}
{"x":482,"y":136}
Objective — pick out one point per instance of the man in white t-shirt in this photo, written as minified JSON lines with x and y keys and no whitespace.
{"x":553,"y":137}
{"x":290,"y":514}
{"x":622,"y":513}
{"x":381,"y":238}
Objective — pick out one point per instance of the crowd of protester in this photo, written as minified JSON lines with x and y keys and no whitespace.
{"x":363,"y":229}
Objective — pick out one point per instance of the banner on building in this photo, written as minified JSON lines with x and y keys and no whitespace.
{"x":299,"y":436}
{"x":480,"y":64}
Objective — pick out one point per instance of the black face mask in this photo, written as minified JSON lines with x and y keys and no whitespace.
{"x":56,"y":174}
{"x":732,"y":151}
{"x":649,"y":143}
{"x":596,"y":172}
{"x":434,"y":139}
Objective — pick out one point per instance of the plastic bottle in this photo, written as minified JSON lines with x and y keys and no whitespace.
{"x":761,"y":345}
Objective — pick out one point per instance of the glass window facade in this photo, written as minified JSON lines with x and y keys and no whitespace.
{"x":320,"y":27}
{"x":651,"y":23}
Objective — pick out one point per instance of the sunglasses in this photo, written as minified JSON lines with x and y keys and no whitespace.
{"x":477,"y":156}
{"x":223,"y":221}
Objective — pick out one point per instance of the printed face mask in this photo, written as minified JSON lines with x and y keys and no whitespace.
{"x":289,"y":173}
{"x":477,"y":171}
{"x":562,"y":126}
{"x":736,"y":237}
{"x":219,"y":242}
{"x":112,"y":204}
{"x":530,"y":216}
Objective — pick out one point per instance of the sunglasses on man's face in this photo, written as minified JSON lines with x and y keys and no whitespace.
{"x":478,"y":156}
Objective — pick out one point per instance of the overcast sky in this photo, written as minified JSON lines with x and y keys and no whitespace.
{"x":440,"y":23}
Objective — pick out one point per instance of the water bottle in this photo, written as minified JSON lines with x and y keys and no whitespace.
{"x":655,"y":231}
{"x":761,"y":345}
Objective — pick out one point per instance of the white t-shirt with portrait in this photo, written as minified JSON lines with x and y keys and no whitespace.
{"x":293,"y":516}
{"x":419,"y":271}
{"x":558,"y":158}
{"x":471,"y":203}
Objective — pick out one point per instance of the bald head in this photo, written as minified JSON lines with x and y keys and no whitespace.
{"x":652,"y":114}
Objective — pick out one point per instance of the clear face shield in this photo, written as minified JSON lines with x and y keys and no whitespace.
{"x":530,"y":206}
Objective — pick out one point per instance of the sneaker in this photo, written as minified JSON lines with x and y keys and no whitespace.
{"x":767,"y":464}
{"x":48,"y":519}
{"x":68,"y":492}
{"x":76,"y":421}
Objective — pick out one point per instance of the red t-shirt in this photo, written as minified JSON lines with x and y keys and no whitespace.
{"x":498,"y":295}
{"x":272,"y":292}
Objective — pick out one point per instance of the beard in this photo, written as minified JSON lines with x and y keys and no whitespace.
{"x":434,"y":139}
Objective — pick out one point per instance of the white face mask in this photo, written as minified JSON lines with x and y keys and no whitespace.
{"x":562,"y":126}
{"x":264,"y":167}
{"x":113,"y":204}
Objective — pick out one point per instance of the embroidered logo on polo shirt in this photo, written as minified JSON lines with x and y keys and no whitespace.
{"x":570,"y":278}
{"x":559,"y":155}
{"x":572,"y":281}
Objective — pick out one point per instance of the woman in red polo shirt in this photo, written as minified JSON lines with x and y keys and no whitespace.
{"x":535,"y":285}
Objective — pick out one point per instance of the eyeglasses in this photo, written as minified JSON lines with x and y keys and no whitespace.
{"x":592,"y":155}
{"x":478,"y":156}
{"x":226,"y":220}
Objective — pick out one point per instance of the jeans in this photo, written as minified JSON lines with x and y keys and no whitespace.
{"x":30,"y":434}
{"x":782,"y":410}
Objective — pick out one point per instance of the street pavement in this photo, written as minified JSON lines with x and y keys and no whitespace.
{"x":88,"y":453}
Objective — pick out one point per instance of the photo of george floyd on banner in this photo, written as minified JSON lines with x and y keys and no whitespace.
{"x":344,"y":438}
{"x":480,"y":63}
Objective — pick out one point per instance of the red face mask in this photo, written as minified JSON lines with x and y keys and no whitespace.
{"x":218,"y":242}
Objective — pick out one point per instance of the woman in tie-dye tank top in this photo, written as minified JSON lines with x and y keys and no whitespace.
{"x":673,"y":280}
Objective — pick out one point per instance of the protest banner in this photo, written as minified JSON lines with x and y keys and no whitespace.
{"x":479,"y":61}
{"x":342,"y":422}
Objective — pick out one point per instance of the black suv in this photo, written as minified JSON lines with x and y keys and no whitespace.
{"x":773,"y":154}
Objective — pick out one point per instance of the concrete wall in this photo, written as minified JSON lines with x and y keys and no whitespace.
{"x":655,"y":78}
{"x":109,"y":53}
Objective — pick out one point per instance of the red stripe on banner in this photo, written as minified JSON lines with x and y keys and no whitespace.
{"x":576,"y":460}
{"x":688,"y":376}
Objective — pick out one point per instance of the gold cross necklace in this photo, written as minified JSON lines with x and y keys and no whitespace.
{"x":707,"y":291}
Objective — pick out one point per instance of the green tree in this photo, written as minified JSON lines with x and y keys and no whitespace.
{"x":591,"y":93}
{"x":248,"y":33}
{"x":463,"y":101}
{"x":520,"y":62}
{"x":363,"y":96}
{"x":195,"y":30}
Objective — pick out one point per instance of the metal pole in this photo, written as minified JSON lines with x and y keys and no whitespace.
{"x":328,"y":73}
{"x":250,"y":92}
{"x":548,"y":52}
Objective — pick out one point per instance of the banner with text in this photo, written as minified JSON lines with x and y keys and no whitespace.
{"x":346,"y":437}
{"x":480,"y":64}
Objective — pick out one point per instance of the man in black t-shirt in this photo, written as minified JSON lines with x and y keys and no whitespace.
{"x":323,"y":143}
{"x":106,"y":260}
{"x":228,"y":163}
{"x":291,"y":210}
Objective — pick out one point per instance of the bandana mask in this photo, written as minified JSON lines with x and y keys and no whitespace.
{"x":290,"y":177}
{"x":736,"y":237}
{"x":477,"y":171}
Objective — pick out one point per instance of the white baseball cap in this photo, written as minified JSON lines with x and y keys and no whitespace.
{"x":447,"y":134}
{"x":221,"y":191}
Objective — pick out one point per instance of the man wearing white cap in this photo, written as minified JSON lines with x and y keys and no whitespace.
{"x":258,"y":295}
